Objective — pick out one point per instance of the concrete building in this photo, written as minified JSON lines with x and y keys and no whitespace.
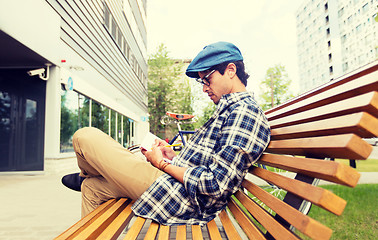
{"x":66,"y":65}
{"x":334,"y":38}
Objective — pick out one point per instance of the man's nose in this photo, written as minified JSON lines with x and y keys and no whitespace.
{"x":205,"y":88}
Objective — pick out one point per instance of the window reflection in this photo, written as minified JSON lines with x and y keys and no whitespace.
{"x":5,"y":127}
{"x":75,"y":112}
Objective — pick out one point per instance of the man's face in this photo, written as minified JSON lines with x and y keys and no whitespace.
{"x":219,"y":85}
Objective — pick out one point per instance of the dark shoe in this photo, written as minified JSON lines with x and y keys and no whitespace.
{"x":73,"y":181}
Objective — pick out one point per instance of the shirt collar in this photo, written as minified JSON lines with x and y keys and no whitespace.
{"x":237,"y":96}
{"x":231,"y":98}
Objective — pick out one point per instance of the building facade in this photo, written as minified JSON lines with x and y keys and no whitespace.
{"x":65,"y":65}
{"x":334,"y":37}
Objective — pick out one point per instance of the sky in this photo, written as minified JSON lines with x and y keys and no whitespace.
{"x":263,"y":30}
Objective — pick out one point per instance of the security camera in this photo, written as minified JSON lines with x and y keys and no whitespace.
{"x":38,"y":71}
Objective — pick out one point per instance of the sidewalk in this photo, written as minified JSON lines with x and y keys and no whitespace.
{"x":39,"y":207}
{"x":36,"y":207}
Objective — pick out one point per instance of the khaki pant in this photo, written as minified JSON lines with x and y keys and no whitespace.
{"x":111,"y":171}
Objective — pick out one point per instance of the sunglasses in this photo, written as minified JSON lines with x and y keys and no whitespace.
{"x":205,"y":79}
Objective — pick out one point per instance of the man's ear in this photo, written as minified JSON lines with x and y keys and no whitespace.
{"x":231,"y":70}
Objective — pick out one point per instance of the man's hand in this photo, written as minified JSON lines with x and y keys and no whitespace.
{"x":155,"y":156}
{"x":166,"y":151}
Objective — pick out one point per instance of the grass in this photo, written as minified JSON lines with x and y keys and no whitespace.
{"x":369,"y":165}
{"x":360,"y":217}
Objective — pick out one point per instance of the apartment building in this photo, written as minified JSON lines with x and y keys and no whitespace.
{"x":334,"y":37}
{"x":65,"y":65}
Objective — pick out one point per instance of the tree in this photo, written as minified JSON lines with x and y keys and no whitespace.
{"x":275,"y":87}
{"x":207,"y":113}
{"x":166,"y":91}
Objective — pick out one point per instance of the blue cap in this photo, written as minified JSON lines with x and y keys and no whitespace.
{"x":212,"y":55}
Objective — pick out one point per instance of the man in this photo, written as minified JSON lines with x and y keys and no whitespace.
{"x":199,"y":182}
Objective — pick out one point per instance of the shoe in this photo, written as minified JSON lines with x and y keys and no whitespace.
{"x":73,"y":181}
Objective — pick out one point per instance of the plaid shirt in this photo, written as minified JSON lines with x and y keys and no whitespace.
{"x":217,"y":157}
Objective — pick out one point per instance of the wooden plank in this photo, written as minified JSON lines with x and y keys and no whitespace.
{"x":213,"y":230}
{"x":245,"y":223}
{"x":361,"y":124}
{"x":152,"y":231}
{"x":101,"y":223}
{"x":117,"y":225}
{"x":135,"y":229}
{"x":357,"y":74}
{"x":264,"y":218}
{"x":196,"y":232}
{"x":228,"y":226}
{"x":300,"y":221}
{"x":327,"y":170}
{"x":85,"y":221}
{"x":181,"y":232}
{"x":164,"y":232}
{"x":346,"y":146}
{"x":363,"y":103}
{"x":318,"y":196}
{"x":330,"y":92}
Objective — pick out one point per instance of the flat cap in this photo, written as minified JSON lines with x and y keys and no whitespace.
{"x":212,"y":55}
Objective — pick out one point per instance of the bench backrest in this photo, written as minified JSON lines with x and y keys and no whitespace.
{"x":327,"y":122}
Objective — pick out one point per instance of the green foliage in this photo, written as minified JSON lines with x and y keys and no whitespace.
{"x":100,"y":116}
{"x":275,"y":87}
{"x":207,"y":113}
{"x":166,"y":91}
{"x":68,"y":124}
{"x":359,"y":219}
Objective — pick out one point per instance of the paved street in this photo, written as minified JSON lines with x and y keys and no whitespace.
{"x":39,"y":207}
{"x":36,"y":207}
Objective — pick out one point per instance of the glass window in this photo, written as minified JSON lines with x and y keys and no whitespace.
{"x":126,"y":132}
{"x":68,"y":119}
{"x":100,"y":115}
{"x":113,"y":130}
{"x":5,"y":126}
{"x":106,"y":16}
{"x":74,"y":115}
{"x":114,"y":29}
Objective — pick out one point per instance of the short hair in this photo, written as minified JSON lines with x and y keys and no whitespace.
{"x":240,"y":70}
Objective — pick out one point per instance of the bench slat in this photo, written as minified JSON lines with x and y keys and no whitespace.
{"x":319,"y":196}
{"x":152,"y":231}
{"x":356,"y":76}
{"x":246,"y":224}
{"x":327,"y":170}
{"x":164,"y":232}
{"x":116,"y":227}
{"x":361,"y":124}
{"x":264,"y":218}
{"x":228,"y":226}
{"x":213,"y":230}
{"x":101,"y":223}
{"x":364,"y":103}
{"x":308,"y":101}
{"x":300,"y":221}
{"x":196,"y":232}
{"x":346,"y":146}
{"x":85,"y":221}
{"x":181,"y":232}
{"x":135,"y":229}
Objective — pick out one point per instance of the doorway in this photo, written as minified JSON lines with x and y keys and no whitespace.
{"x":22,"y":111}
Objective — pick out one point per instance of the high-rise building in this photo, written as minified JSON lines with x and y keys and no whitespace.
{"x":334,"y":38}
{"x":87,"y":65}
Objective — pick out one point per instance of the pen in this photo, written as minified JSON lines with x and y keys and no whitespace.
{"x":173,"y":145}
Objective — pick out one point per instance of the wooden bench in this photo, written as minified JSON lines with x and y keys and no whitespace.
{"x":327,"y":122}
